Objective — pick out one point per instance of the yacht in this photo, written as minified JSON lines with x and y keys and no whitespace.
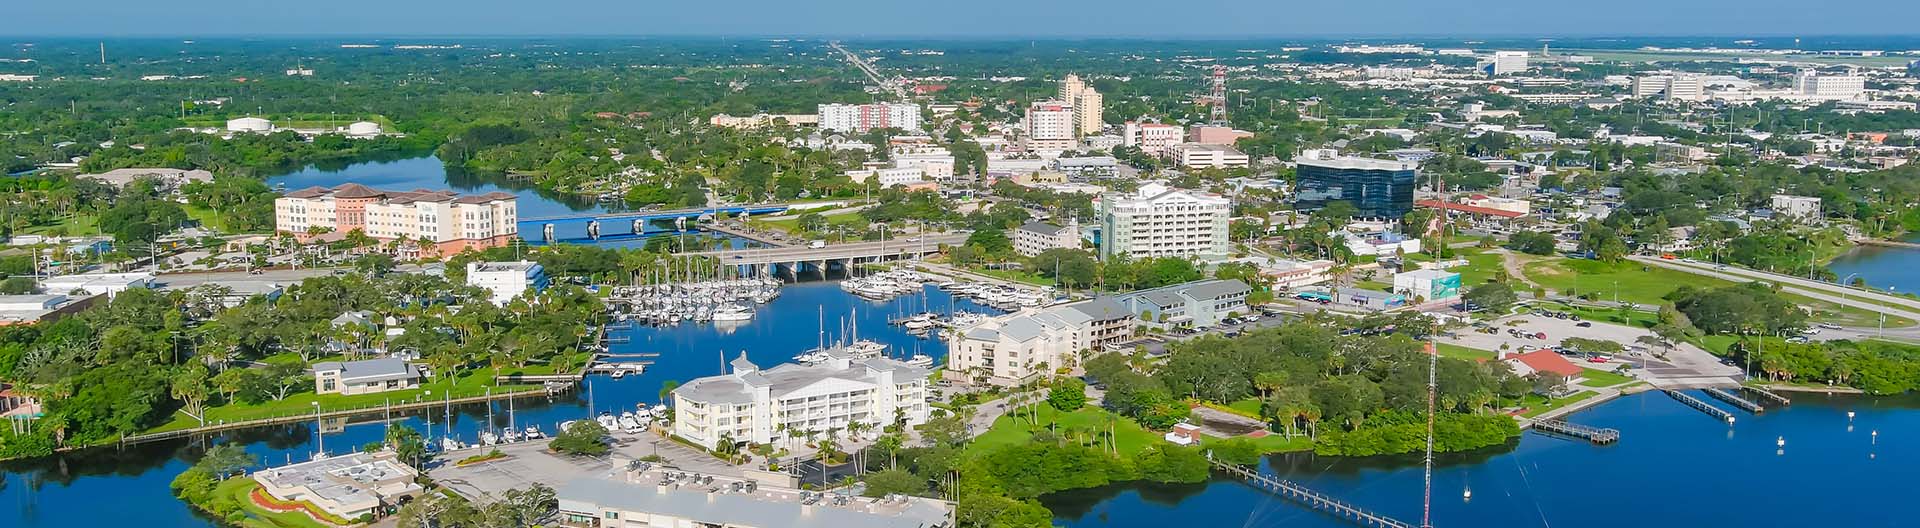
{"x":449,"y":444}
{"x":920,"y":360}
{"x":534,"y":432}
{"x":732,"y":312}
{"x":487,"y":438}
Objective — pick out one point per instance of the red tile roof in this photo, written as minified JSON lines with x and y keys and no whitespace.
{"x":1547,"y":361}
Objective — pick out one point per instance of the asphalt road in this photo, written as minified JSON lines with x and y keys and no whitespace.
{"x":1815,"y":290}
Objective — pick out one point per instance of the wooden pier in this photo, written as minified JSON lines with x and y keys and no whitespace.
{"x":1596,"y":435}
{"x":1736,"y":400}
{"x":1704,"y":407}
{"x":1310,"y":498}
{"x":1769,"y":395}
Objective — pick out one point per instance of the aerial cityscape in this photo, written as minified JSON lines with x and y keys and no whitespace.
{"x":857,"y":266}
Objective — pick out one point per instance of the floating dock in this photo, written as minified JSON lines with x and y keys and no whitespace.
{"x":1596,"y":435}
{"x":1736,"y":400}
{"x":1704,"y":407}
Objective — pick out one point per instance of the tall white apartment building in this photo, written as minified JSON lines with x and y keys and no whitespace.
{"x":1050,"y":126}
{"x":507,"y":280}
{"x":1086,"y":103}
{"x":1509,"y":62}
{"x":863,"y":117}
{"x":1159,"y":221}
{"x":434,"y":222}
{"x":757,"y":406}
{"x":1812,"y":83}
{"x":1152,"y":138}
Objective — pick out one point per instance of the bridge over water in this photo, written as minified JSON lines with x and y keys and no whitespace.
{"x":600,"y":226}
{"x":798,"y":260}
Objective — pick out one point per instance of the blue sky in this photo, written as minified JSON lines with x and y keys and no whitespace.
{"x":958,"y":18}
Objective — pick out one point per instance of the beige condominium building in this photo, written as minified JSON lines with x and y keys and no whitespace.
{"x":433,"y":222}
{"x":1086,"y":103}
{"x":1028,"y":345}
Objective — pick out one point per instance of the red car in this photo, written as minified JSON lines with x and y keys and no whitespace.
{"x":1596,"y":359}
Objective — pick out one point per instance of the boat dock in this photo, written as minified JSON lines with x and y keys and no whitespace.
{"x":1736,"y":400}
{"x":1596,"y":435}
{"x":1765,"y":394}
{"x":1704,"y":407}
{"x":1312,"y":499}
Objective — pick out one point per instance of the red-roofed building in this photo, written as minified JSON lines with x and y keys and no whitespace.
{"x":1544,"y":361}
{"x":1478,"y":212}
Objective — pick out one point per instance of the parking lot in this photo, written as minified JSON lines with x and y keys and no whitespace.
{"x":1684,"y":363}
{"x":529,"y":462}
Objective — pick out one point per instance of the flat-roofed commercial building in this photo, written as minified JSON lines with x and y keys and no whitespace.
{"x":1376,"y":188}
{"x":658,"y":496}
{"x":346,"y":486}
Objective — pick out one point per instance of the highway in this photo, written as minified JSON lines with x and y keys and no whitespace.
{"x":1816,"y":290}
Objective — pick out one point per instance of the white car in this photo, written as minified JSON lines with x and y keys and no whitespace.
{"x":1829,"y":326}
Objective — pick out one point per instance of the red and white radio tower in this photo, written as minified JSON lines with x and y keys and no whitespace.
{"x":1219,"y":96}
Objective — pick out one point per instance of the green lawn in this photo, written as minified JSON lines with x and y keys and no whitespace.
{"x":76,"y":225}
{"x":1459,"y":352}
{"x":793,"y":224}
{"x":1537,"y":404}
{"x":472,"y":383}
{"x":1482,"y":266}
{"x":1631,"y":281}
{"x":238,"y":490}
{"x":1601,"y":378}
{"x":1247,"y":407}
{"x":1836,"y":313}
{"x":1008,"y":430}
{"x":1273,"y":443}
{"x":1634,"y":317}
{"x":1373,"y":285}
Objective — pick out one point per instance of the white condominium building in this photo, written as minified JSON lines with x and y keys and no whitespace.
{"x":1086,"y":103}
{"x":1024,"y":346}
{"x":434,"y":222}
{"x":1159,"y":221}
{"x":863,"y":117}
{"x":757,"y":406}
{"x":1035,"y":238}
{"x":1812,"y":83}
{"x":1152,"y":138}
{"x":1049,"y":126}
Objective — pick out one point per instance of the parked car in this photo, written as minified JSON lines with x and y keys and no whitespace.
{"x":1584,"y":324}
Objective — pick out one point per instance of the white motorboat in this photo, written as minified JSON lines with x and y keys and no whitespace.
{"x":533,"y":432}
{"x":487,"y":438}
{"x":920,"y":360}
{"x":732,"y":312}
{"x":449,"y":444}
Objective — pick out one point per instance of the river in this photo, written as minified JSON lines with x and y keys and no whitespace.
{"x":1881,"y":266}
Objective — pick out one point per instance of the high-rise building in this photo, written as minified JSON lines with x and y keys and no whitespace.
{"x":1086,"y":103}
{"x":433,"y":222}
{"x":1151,"y":138}
{"x":863,"y":117}
{"x":1375,"y":187}
{"x":1050,"y":126}
{"x":1809,"y":82}
{"x":1508,"y":63}
{"x":1159,"y":221}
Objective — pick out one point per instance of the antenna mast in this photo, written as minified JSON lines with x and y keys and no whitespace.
{"x":1433,"y":389}
{"x":1219,"y":95}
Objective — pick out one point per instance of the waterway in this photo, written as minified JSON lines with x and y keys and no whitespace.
{"x":66,"y":490}
{"x":1674,"y":466}
{"x":1883,"y":267}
